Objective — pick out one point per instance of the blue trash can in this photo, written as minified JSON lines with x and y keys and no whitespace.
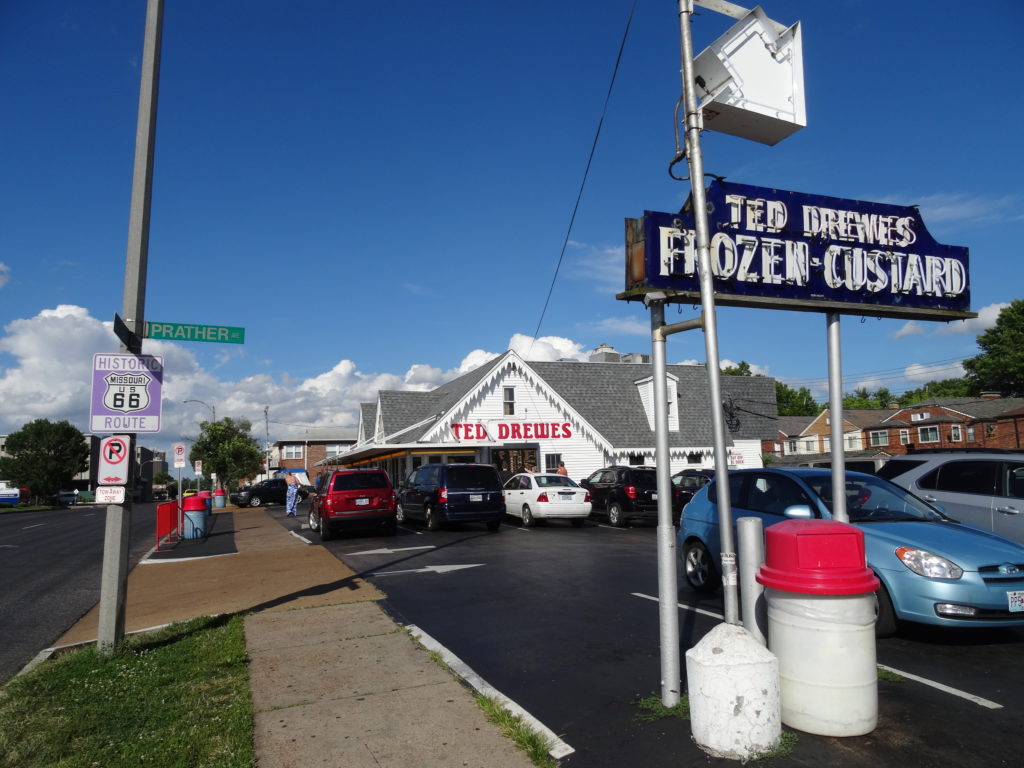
{"x":195,"y":517}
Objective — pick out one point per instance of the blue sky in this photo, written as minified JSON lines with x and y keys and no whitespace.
{"x":379,"y":192}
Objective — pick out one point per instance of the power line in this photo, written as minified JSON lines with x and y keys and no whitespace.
{"x":583,"y":183}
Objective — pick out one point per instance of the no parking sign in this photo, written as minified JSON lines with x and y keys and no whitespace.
{"x":114,"y":460}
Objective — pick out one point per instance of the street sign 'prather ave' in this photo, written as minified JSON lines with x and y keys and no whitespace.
{"x":126,"y":393}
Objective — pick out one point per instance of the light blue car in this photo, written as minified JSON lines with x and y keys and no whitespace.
{"x":933,"y":569}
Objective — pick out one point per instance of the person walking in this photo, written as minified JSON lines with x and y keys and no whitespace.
{"x":291,"y":500}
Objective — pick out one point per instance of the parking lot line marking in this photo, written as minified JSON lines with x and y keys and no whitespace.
{"x":559,"y":748}
{"x":944,"y":688}
{"x":923,"y":680}
{"x":300,"y":537}
{"x":37,"y":525}
{"x":611,"y":527}
{"x":684,"y":606}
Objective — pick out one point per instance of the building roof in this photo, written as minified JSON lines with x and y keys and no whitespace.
{"x":606,"y":396}
{"x":791,"y":426}
{"x":975,"y":407}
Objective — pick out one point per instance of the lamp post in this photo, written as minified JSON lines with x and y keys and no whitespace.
{"x":213,"y":411}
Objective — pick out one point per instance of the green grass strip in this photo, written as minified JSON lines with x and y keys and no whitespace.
{"x":532,"y":743}
{"x":175,"y":698}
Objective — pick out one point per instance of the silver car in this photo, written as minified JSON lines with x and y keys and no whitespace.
{"x":984,"y":489}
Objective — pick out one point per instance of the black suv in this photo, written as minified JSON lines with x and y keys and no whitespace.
{"x":452,"y":493}
{"x":625,"y":493}
{"x":271,"y":491}
{"x":352,"y":498}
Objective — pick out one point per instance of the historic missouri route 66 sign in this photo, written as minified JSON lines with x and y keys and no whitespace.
{"x":126,"y":393}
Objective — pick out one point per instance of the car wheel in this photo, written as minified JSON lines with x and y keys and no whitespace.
{"x":314,"y":521}
{"x":430,"y":519}
{"x":494,"y":525}
{"x":399,"y":514}
{"x":255,"y":501}
{"x":577,"y":522}
{"x":700,"y":571}
{"x":615,"y":515}
{"x":527,"y":517}
{"x":326,"y":534}
{"x":885,"y":623}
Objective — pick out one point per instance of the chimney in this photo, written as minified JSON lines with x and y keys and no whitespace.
{"x":893,"y":406}
{"x":991,"y":395}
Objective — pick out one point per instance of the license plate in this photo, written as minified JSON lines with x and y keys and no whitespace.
{"x":362,"y":502}
{"x":654,"y":497}
{"x":1016,"y":600}
{"x":476,"y":497}
{"x":567,"y":496}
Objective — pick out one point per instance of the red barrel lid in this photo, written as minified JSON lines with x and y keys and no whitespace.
{"x":192,"y":504}
{"x":816,"y":557}
{"x":219,"y":492}
{"x":205,"y":495}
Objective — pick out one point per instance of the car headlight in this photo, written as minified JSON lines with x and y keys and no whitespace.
{"x":928,"y":565}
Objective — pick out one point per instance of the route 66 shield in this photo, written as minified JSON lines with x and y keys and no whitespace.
{"x":126,"y":392}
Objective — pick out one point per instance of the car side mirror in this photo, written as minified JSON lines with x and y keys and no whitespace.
{"x":799,"y":512}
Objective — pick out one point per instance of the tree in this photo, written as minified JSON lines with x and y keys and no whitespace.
{"x":1000,"y":366}
{"x":226,"y":448}
{"x":743,"y":369}
{"x":935,"y":389}
{"x":45,"y":456}
{"x":795,"y":402}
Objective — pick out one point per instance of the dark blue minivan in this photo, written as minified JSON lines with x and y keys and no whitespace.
{"x":452,"y":493}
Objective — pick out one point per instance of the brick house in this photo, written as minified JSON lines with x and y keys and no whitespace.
{"x":305,"y":454}
{"x":989,"y":421}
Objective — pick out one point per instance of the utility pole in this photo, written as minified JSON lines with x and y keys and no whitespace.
{"x":114,"y":578}
{"x":266,"y":424}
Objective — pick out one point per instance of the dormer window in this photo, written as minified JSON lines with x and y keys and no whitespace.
{"x":920,"y":416}
{"x":645,"y":388}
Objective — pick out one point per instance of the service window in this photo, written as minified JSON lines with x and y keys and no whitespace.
{"x":963,"y":477}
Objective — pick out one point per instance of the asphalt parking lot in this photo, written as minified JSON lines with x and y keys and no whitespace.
{"x":565,"y":622}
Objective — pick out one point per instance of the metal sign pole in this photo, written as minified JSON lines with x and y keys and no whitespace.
{"x":707,"y":295}
{"x":835,"y":414}
{"x":114,"y":578}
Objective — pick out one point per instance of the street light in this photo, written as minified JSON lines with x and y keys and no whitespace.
{"x":213,"y":410}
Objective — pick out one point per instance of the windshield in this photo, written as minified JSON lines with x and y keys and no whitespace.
{"x":870,"y":500}
{"x":552,"y":481}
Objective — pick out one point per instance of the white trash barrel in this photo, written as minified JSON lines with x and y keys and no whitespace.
{"x":821,"y":626}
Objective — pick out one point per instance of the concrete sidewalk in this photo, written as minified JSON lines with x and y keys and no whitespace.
{"x":335,"y":682}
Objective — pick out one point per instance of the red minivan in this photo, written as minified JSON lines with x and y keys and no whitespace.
{"x":352,"y":498}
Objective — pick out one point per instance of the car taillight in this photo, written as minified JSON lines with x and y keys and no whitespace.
{"x":442,"y":495}
{"x":587,"y":498}
{"x":543,"y":497}
{"x":630,"y":491}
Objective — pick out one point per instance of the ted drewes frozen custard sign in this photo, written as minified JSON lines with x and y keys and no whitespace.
{"x":770,"y":247}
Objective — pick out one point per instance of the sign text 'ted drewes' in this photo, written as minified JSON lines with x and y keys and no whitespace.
{"x":770,"y":247}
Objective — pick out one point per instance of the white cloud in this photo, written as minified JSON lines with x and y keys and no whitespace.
{"x":604,"y":267}
{"x":52,"y":370}
{"x":624,"y":326}
{"x":986,"y":319}
{"x":546,"y":348}
{"x":954,"y":209}
{"x":917,"y":372}
{"x":5,"y":274}
{"x":910,"y":328}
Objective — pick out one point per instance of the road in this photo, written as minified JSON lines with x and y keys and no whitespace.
{"x":565,"y":622}
{"x":50,"y":565}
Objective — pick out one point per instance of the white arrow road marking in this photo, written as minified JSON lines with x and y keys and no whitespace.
{"x":430,"y":569}
{"x":389,"y":551}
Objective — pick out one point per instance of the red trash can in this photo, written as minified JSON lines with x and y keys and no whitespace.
{"x":821,"y":625}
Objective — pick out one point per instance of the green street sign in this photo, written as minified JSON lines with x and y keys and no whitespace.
{"x":183,"y":332}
